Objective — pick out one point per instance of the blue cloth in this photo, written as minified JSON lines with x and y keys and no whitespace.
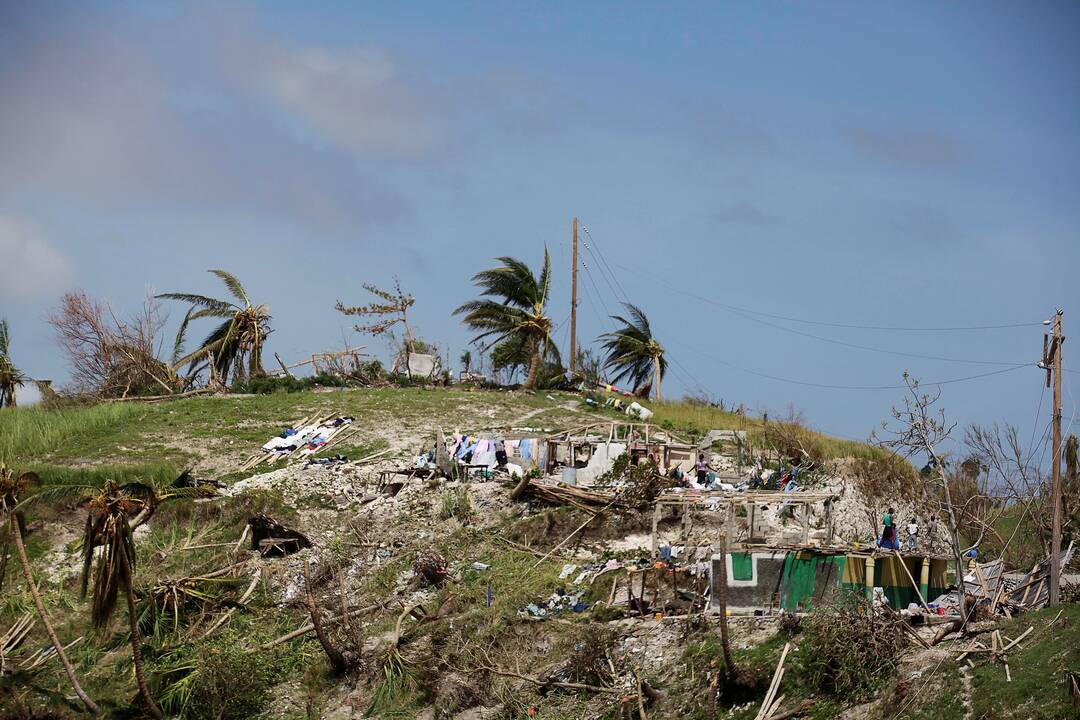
{"x":888,"y":543}
{"x":467,"y":447}
{"x":525,"y":448}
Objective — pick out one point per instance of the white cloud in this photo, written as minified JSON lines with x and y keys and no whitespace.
{"x":95,"y":118}
{"x":29,"y":265}
{"x":356,"y":99}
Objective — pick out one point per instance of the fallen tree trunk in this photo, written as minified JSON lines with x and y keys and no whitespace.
{"x":328,"y":621}
{"x":946,"y":631}
{"x":548,"y":683}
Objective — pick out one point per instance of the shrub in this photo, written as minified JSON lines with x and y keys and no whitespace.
{"x":456,"y":503}
{"x":886,"y":475}
{"x":221,"y":681}
{"x":587,"y":658}
{"x":847,"y":650}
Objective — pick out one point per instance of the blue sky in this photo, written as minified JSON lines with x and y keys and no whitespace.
{"x":881,"y":164}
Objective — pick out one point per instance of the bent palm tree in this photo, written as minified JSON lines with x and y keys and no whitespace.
{"x":633,"y":352}
{"x":10,"y":486}
{"x":107,"y":524}
{"x":240,"y":337}
{"x":10,"y":376}
{"x":519,"y":316}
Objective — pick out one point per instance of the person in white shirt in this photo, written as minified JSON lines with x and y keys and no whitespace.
{"x":912,"y":535}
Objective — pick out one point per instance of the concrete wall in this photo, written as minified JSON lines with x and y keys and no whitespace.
{"x":757,"y":592}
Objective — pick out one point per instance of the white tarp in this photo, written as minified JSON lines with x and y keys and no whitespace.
{"x":603,"y":458}
{"x":423,"y":366}
{"x":638,"y":410}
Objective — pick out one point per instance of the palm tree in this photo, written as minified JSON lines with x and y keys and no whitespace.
{"x":633,"y":352}
{"x":10,"y":376}
{"x":108,"y":524}
{"x":239,"y":337}
{"x":10,"y":487}
{"x":519,"y":316}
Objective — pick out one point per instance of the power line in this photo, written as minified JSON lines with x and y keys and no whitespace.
{"x":694,"y":382}
{"x":1038,"y":412}
{"x":834,"y":341}
{"x":592,"y":280}
{"x":603,"y":261}
{"x":592,"y":302}
{"x":599,"y":266}
{"x":829,"y":386}
{"x":854,"y":326}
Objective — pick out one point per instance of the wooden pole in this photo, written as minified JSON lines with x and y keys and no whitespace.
{"x":915,"y":585}
{"x":281,"y":362}
{"x":1055,"y":543}
{"x":573,"y":304}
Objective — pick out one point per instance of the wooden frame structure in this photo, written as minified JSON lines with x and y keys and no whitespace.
{"x":327,"y":358}
{"x":751,"y":500}
{"x":641,"y":440}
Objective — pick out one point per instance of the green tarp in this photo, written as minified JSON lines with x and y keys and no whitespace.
{"x":800,"y":577}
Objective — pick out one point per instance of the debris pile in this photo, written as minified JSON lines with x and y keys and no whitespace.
{"x":305,"y":437}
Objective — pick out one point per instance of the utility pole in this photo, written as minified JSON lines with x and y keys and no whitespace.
{"x":573,"y":306}
{"x":1055,"y":543}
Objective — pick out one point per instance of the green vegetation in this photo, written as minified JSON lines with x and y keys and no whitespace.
{"x":694,"y":419}
{"x":11,"y":378}
{"x":518,"y":315}
{"x":31,"y":432}
{"x":188,"y":672}
{"x":846,"y":652}
{"x":1039,"y":669}
{"x":233,"y":346}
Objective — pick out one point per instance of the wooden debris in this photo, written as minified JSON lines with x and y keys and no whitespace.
{"x":799,"y":709}
{"x":778,"y":675}
{"x":271,"y":538}
{"x":326,"y":621}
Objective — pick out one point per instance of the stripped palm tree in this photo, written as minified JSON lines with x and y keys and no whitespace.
{"x":519,"y":314}
{"x":633,"y":353}
{"x":10,"y":376}
{"x":236,"y":342}
{"x":114,"y":511}
{"x":108,"y":524}
{"x":10,"y":487}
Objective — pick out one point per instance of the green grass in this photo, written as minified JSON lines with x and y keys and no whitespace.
{"x":696,"y":419}
{"x":1026,"y":547}
{"x":235,"y":426}
{"x":1038,"y":689}
{"x":33,"y":431}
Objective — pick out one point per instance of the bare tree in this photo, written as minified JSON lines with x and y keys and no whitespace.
{"x":1013,"y":477}
{"x":109,"y":356}
{"x":383,"y":316}
{"x":919,"y":429}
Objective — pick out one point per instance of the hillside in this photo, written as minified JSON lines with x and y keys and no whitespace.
{"x":218,"y":619}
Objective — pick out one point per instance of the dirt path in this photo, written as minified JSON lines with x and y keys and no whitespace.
{"x":965,"y":679}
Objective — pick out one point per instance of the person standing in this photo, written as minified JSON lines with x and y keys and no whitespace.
{"x":888,"y":532}
{"x":912,"y":535}
{"x":701,"y":467}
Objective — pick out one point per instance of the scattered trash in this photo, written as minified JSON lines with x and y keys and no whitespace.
{"x":305,"y":437}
